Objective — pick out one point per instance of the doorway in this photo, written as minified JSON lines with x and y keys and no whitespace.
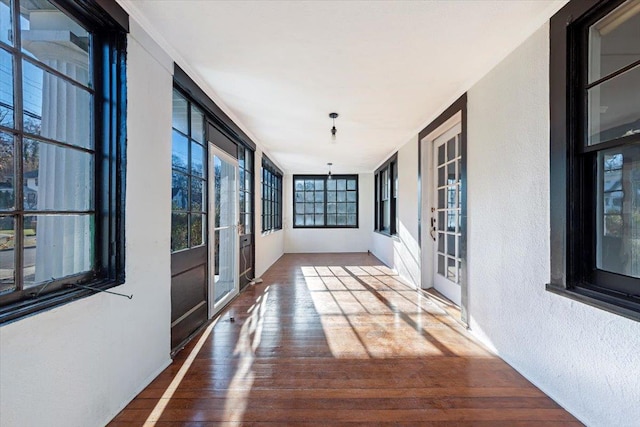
{"x":223,"y":229}
{"x":445,"y":210}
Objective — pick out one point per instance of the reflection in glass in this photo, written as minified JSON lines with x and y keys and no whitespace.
{"x":197,"y":124}
{"x":618,"y":244}
{"x":71,"y":236}
{"x":6,"y":20}
{"x":179,"y":191}
{"x":7,"y":253}
{"x":179,"y":231}
{"x":614,"y":107}
{"x":180,"y":114}
{"x":613,"y":41}
{"x":198,"y":203}
{"x":197,"y":230}
{"x":42,"y":113}
{"x":6,"y":88}
{"x":56,"y":178}
{"x":7,"y":190}
{"x":179,"y":152}
{"x":197,"y":159}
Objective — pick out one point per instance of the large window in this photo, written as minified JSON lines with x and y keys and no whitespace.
{"x":62,"y":98}
{"x":325,"y":201}
{"x":386,"y":189}
{"x":271,"y":196}
{"x":188,"y":183}
{"x":599,"y":128}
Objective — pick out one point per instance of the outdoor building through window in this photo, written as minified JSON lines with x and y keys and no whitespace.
{"x":322,"y":201}
{"x":602,"y":133}
{"x":59,"y":157}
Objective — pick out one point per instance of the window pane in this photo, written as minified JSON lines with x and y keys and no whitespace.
{"x":351,"y":208}
{"x":54,"y":108}
{"x":308,"y":197}
{"x":319,"y":219}
{"x":299,"y":184}
{"x":319,"y":196}
{"x":197,"y":195}
{"x":308,"y":219}
{"x":179,"y":191}
{"x":55,"y":39}
{"x":299,"y":219}
{"x":618,"y":244}
{"x":248,"y":159}
{"x":197,"y":159}
{"x":299,"y":208}
{"x":351,"y":196}
{"x":331,"y":196}
{"x":614,"y":107}
{"x":342,"y":219}
{"x":197,"y":230}
{"x":197,"y":124}
{"x":451,"y":149}
{"x":7,"y":190}
{"x":331,"y":220}
{"x":56,"y":178}
{"x":331,"y":184}
{"x":56,"y":246}
{"x":319,"y":185}
{"x":341,"y":184}
{"x":351,"y":184}
{"x":6,"y":31}
{"x":309,"y":185}
{"x":180,"y":115}
{"x":7,"y":254}
{"x":319,"y":209}
{"x":341,"y":196}
{"x":331,"y":208}
{"x":613,"y":41}
{"x":299,"y":196}
{"x":179,"y":231}
{"x":180,"y":152}
{"x":342,"y":208}
{"x":6,"y":87}
{"x":309,"y":208}
{"x":351,"y":220}
{"x":441,"y":154}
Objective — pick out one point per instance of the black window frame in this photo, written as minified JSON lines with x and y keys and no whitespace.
{"x":203,"y":212}
{"x":573,"y":166}
{"x":272,"y":181}
{"x":325,"y":178}
{"x":390,"y":166}
{"x":108,"y":24}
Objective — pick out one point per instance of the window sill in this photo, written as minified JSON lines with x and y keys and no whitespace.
{"x":384,"y":233}
{"x":29,"y":307}
{"x":628,"y":309}
{"x":269,"y":232}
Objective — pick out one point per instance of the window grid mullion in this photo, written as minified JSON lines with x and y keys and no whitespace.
{"x":18,"y":121}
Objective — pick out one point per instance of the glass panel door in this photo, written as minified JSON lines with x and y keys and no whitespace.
{"x":445,"y":220}
{"x":224,"y":229}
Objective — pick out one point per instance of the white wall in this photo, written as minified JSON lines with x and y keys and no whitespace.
{"x":79,"y":364}
{"x":402,"y":252}
{"x":269,"y":246}
{"x":300,"y":240}
{"x":586,"y":359}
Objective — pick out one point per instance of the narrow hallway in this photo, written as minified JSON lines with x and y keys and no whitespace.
{"x":338,"y":339}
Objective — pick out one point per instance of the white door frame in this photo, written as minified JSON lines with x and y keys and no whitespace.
{"x":214,"y":307}
{"x":428,"y":198}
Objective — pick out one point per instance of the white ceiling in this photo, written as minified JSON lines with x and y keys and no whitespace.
{"x":388,"y":68}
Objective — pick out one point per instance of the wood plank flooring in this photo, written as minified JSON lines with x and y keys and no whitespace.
{"x":338,"y":339}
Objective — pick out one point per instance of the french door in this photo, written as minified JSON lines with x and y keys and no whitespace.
{"x":446,"y":213}
{"x":223,"y":229}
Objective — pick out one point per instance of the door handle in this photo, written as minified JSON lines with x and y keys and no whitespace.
{"x":432,"y":229}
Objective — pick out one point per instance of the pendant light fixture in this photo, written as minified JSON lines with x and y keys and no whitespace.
{"x":333,"y":117}
{"x":329,"y":174}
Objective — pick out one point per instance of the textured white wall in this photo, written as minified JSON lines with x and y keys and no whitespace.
{"x":269,"y":246}
{"x":79,"y":364}
{"x":300,"y":240}
{"x":402,"y":252}
{"x":586,"y":359}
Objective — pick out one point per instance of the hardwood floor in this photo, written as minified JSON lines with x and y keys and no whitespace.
{"x":335,"y":339}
